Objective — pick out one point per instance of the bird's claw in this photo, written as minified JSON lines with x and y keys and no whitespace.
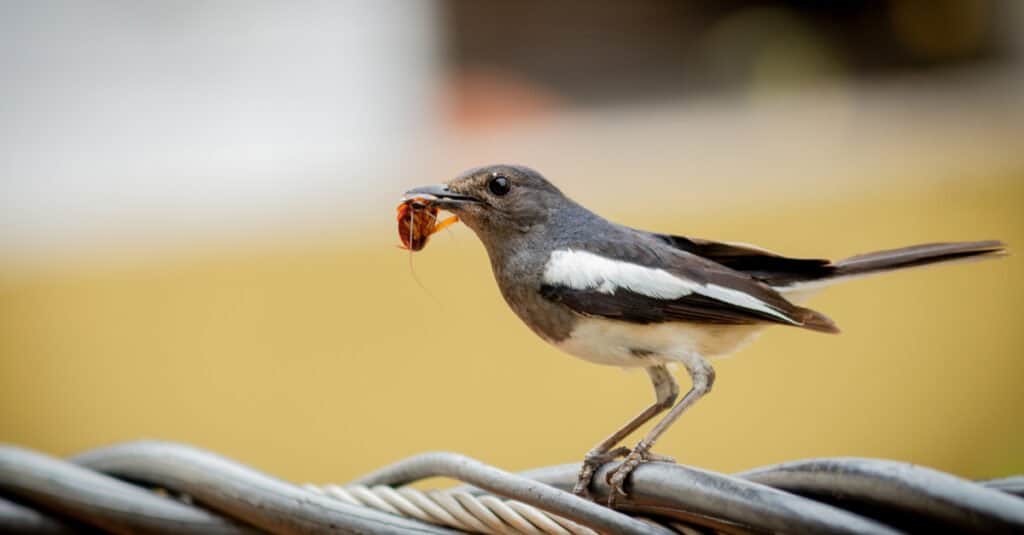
{"x":617,"y":477}
{"x":591,"y":463}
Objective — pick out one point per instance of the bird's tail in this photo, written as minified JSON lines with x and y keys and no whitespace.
{"x":799,"y":289}
{"x":914,"y":256}
{"x":879,"y":262}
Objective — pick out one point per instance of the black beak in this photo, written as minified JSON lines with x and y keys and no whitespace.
{"x":441,"y":196}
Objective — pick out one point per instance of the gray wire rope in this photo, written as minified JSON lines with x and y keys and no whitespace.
{"x":717,"y":501}
{"x":441,"y":464}
{"x":928,"y":493}
{"x":101,"y":493}
{"x":102,"y":501}
{"x":17,"y":518}
{"x":241,"y":492}
{"x":461,"y":510}
{"x":1010,"y":485}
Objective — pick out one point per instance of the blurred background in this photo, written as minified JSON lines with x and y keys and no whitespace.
{"x":197,"y":237}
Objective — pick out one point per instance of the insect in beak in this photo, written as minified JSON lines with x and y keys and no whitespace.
{"x":417,"y":220}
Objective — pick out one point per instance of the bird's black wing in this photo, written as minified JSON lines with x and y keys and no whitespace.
{"x":633,"y":307}
{"x":771,"y":268}
{"x":722,"y":295}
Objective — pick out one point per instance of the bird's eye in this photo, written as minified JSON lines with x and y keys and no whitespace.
{"x":499,"y":185}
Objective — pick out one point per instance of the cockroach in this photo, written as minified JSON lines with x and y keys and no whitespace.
{"x":417,"y":220}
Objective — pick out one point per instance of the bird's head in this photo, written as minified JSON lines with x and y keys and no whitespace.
{"x":498,"y":200}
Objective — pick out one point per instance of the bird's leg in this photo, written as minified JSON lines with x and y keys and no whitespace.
{"x":703,"y":377}
{"x":665,"y":390}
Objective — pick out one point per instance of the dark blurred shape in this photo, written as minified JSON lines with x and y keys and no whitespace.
{"x":940,"y":31}
{"x":599,"y":52}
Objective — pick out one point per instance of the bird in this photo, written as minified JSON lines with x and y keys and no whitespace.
{"x":619,"y":296}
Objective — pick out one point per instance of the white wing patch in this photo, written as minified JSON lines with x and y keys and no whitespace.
{"x":582,"y":270}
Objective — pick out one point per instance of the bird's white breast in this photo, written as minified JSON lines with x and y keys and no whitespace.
{"x":625,"y":344}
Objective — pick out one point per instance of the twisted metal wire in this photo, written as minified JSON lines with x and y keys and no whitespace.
{"x":111,"y":491}
{"x":457,"y":509}
{"x":553,"y":499}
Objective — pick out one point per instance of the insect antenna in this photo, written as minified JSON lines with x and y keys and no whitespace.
{"x":412,"y":270}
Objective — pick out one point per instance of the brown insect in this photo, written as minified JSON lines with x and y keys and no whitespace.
{"x":417,"y":220}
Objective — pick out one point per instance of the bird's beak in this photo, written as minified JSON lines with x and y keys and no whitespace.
{"x":441,"y":196}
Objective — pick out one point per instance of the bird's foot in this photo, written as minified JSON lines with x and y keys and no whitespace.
{"x":591,"y":463}
{"x":617,"y":478}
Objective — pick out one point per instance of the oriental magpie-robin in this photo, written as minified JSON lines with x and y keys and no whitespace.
{"x":620,"y":296}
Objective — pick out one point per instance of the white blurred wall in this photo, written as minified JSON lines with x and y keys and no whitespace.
{"x":126,"y":122}
{"x":124,"y":119}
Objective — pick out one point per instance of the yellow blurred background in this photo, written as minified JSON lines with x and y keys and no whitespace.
{"x":252,"y":300}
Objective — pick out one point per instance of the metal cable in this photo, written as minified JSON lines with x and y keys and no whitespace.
{"x":564,"y":504}
{"x":717,"y":501}
{"x":102,"y":501}
{"x":17,"y":518}
{"x":1010,"y":485}
{"x":241,"y":492}
{"x":900,"y":487}
{"x":494,"y":516}
{"x":833,"y":496}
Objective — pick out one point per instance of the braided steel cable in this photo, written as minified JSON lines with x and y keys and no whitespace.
{"x":716,"y":501}
{"x":460,"y":510}
{"x":560,"y":502}
{"x":95,"y":493}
